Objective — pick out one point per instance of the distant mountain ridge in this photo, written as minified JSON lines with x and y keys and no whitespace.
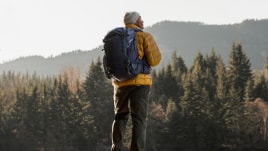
{"x":186,"y":38}
{"x":77,"y":59}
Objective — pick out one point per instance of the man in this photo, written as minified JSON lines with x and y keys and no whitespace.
{"x":131,"y":96}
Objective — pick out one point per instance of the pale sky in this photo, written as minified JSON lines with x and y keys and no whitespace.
{"x":52,"y":27}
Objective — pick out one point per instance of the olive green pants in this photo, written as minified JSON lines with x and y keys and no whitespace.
{"x":133,"y":100}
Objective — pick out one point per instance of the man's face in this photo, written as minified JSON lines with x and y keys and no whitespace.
{"x":139,"y":23}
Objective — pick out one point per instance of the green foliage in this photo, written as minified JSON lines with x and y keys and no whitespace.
{"x":261,"y":88}
{"x":206,"y":107}
{"x":239,"y":71}
{"x":98,"y":92}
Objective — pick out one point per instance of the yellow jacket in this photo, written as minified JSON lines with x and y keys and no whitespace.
{"x":147,"y":46}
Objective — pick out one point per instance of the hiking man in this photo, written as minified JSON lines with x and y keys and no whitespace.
{"x":131,"y":96}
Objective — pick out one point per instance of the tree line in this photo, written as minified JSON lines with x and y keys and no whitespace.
{"x":207,"y":106}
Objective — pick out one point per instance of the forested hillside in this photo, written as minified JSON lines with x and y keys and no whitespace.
{"x":189,"y":37}
{"x":186,"y":38}
{"x":207,"y":106}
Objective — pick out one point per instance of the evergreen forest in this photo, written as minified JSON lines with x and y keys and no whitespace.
{"x":208,"y":106}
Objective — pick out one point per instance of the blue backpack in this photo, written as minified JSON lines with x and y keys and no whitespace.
{"x":121,"y":61}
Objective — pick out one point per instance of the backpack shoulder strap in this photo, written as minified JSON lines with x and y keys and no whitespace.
{"x":131,"y":33}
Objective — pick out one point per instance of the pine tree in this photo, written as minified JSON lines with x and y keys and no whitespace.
{"x":221,"y":89}
{"x":198,"y":69}
{"x":221,"y":103}
{"x":28,"y":118}
{"x":174,"y":127}
{"x":60,"y":110}
{"x":199,"y":103}
{"x":98,"y":92}
{"x":179,"y":71}
{"x":159,"y":87}
{"x":156,"y":129}
{"x":239,"y":71}
{"x":211,"y":78}
{"x":249,"y":93}
{"x":261,"y":88}
{"x":177,"y":64}
{"x":170,"y":84}
{"x":35,"y":118}
{"x":192,"y":104}
{"x":238,"y":76}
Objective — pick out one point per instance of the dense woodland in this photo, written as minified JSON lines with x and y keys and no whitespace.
{"x":208,"y":106}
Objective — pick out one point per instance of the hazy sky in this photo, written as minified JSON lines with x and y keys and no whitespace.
{"x":51,"y":27}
